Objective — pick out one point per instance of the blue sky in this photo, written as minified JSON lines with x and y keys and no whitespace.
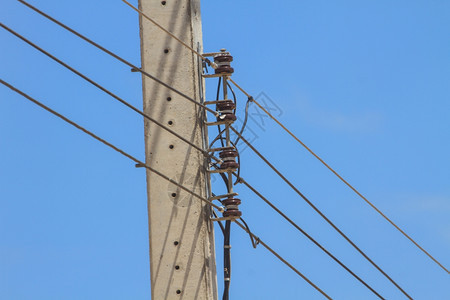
{"x":366,"y":84}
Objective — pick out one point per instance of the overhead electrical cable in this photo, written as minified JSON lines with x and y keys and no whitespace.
{"x":169,"y":33}
{"x":119,"y":58}
{"x":40,"y":104}
{"x":256,"y":192}
{"x":241,"y":180}
{"x":299,"y":141}
{"x":105,"y":90}
{"x":282,"y":259}
{"x":318,"y":211}
{"x":341,"y":178}
{"x":124,"y":61}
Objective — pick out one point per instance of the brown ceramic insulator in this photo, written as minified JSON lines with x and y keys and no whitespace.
{"x":223,"y":58}
{"x":232,"y":213}
{"x":228,"y":117}
{"x":228,"y":158}
{"x":229,"y":165}
{"x":225,"y":105}
{"x":224,"y":69}
{"x":228,"y":153}
{"x":231,"y":201}
{"x":223,"y":63}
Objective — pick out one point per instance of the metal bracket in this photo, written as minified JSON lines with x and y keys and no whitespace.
{"x":224,"y":219}
{"x":222,"y":170}
{"x":224,"y":122}
{"x":216,"y":75}
{"x":221,"y":149}
{"x":223,"y":196}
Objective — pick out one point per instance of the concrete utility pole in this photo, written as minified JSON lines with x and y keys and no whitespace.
{"x":182,"y":257}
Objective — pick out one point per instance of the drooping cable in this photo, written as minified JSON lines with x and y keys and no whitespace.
{"x":319,"y":212}
{"x":219,"y":136}
{"x":255,"y":241}
{"x":107,"y":143}
{"x":244,"y":124}
{"x":343,"y":180}
{"x":234,"y":95}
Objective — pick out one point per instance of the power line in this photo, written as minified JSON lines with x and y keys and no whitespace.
{"x":304,"y":145}
{"x":107,"y":143}
{"x":118,"y":58}
{"x":103,"y":89}
{"x":170,"y":33}
{"x":341,"y":178}
{"x":279,"y":123}
{"x":318,"y":211}
{"x":154,"y":171}
{"x":241,"y":180}
{"x":107,"y":51}
{"x":282,"y":259}
{"x":154,"y":121}
{"x":205,"y":153}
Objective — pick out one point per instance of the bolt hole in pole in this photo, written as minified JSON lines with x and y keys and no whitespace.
{"x":174,"y":195}
{"x":178,"y":292}
{"x":169,"y":99}
{"x":171,"y":146}
{"x":163,"y":2}
{"x":166,"y":50}
{"x":170,"y":122}
{"x":177,"y":267}
{"x":176,"y":243}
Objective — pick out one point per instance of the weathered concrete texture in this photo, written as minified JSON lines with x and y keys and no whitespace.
{"x":182,"y":258}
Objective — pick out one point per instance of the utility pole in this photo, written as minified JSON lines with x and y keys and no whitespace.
{"x":182,"y":256}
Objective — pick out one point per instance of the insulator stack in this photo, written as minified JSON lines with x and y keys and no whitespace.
{"x":223,"y":62}
{"x":232,"y":208}
{"x":226,"y":109}
{"x":229,"y":159}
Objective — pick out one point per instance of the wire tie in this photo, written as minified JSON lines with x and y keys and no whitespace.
{"x":227,"y":246}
